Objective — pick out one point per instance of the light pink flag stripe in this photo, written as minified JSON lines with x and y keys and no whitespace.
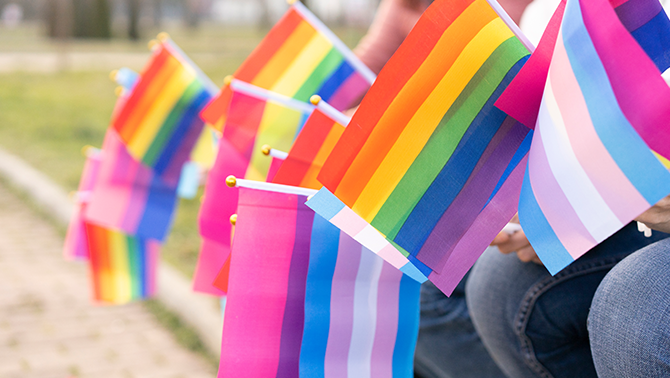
{"x":478,"y":237}
{"x":259,"y":268}
{"x":350,"y":90}
{"x":153,"y":255}
{"x":387,"y":321}
{"x":607,"y":177}
{"x":642,"y":94}
{"x":349,"y":221}
{"x":342,"y":308}
{"x":554,"y":204}
{"x":108,"y":202}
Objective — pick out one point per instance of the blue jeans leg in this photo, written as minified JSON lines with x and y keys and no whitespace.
{"x":629,"y":324}
{"x":448,"y":345}
{"x":533,"y":324}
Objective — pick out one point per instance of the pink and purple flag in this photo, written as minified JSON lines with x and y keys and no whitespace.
{"x":255,"y":118}
{"x":128,"y":196}
{"x":76,"y":247}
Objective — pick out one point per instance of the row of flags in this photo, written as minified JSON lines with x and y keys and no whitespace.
{"x":335,"y":231}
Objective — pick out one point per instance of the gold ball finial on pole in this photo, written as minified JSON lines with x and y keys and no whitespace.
{"x":163,"y":36}
{"x":266,"y":149}
{"x":228,"y":80}
{"x":315,"y":100}
{"x":233,"y":219}
{"x":291,"y":2}
{"x":118,"y":91}
{"x":85,"y":150}
{"x":152,"y":44}
{"x":112,"y":75}
{"x":231,"y":181}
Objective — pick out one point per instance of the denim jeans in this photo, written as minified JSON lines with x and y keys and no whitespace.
{"x":629,"y":324}
{"x":448,"y":345}
{"x":535,"y":325}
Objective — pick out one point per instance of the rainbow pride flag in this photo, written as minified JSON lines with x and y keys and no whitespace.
{"x":427,"y":152}
{"x":298,"y":58}
{"x":128,"y":196}
{"x":304,"y":298}
{"x":123,"y":268}
{"x":361,"y":313}
{"x":644,"y":19}
{"x":76,"y":247}
{"x":309,"y":152}
{"x":160,"y":120}
{"x":601,"y":138}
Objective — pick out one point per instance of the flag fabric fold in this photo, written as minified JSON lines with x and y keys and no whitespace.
{"x":644,"y":19}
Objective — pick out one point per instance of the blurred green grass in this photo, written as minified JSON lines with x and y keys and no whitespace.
{"x":47,"y":118}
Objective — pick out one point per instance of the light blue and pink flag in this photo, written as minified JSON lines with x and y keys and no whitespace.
{"x":361,"y":313}
{"x":601,"y":138}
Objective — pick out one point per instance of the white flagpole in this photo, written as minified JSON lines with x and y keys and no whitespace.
{"x":233,"y":181}
{"x":264,"y":94}
{"x":328,"y":110}
{"x":511,"y":24}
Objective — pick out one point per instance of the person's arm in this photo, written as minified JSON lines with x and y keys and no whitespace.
{"x":391,"y":25}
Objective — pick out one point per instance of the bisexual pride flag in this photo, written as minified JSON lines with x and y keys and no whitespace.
{"x":601,"y":138}
{"x":427,"y":160}
{"x":256,"y":117}
{"x":298,"y":58}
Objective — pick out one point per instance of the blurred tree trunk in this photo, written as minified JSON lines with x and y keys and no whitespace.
{"x":59,"y":18}
{"x":92,"y":19}
{"x":265,"y":13}
{"x":134,"y":19}
{"x":157,"y":13}
{"x":192,"y":13}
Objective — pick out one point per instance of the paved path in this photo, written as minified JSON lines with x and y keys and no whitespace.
{"x":49,"y":327}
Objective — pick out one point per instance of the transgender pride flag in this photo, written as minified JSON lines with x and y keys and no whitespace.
{"x":602,"y":136}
